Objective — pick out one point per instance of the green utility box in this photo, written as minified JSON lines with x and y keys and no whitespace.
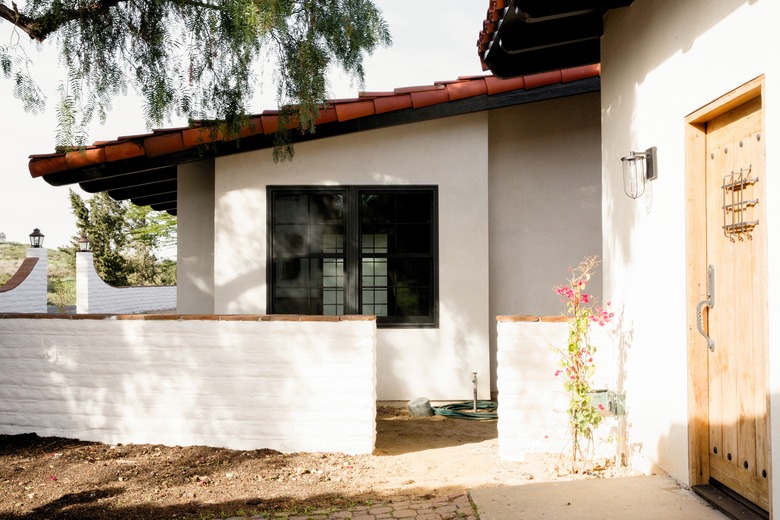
{"x":611,"y":402}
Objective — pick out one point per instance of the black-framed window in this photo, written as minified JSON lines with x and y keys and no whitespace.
{"x":354,"y":250}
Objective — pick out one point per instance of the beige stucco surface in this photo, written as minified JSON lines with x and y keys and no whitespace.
{"x":195,"y":228}
{"x":518,"y":202}
{"x":451,"y":153}
{"x":545,"y":203}
{"x":662,"y":60}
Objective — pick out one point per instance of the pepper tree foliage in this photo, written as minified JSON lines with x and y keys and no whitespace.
{"x":125,"y":240}
{"x":193,"y":58}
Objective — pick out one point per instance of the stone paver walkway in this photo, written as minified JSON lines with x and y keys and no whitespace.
{"x":446,"y":508}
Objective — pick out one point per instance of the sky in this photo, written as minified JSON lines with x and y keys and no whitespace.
{"x":432,"y":41}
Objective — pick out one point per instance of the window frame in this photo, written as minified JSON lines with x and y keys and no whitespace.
{"x":352,"y":258}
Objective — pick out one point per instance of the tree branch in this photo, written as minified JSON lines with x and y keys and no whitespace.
{"x":40,"y":27}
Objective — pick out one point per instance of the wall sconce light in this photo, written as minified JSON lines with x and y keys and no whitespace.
{"x":83,"y":244}
{"x":36,"y":238}
{"x":638,"y":167}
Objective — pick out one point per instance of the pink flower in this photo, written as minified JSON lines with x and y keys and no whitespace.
{"x":557,"y":373}
{"x":601,"y":407}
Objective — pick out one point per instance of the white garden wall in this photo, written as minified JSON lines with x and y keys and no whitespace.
{"x":532,"y":416}
{"x":240,"y":382}
{"x":29,"y":294}
{"x":93,"y":295}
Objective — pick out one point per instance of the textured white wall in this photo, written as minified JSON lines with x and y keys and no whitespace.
{"x":228,"y":382}
{"x":662,"y":60}
{"x":532,"y":415}
{"x":93,"y":295}
{"x":195,"y":230}
{"x":451,"y":153}
{"x":545,"y":202}
{"x":29,"y":296}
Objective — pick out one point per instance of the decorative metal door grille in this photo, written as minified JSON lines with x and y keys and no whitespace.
{"x":737,"y":207}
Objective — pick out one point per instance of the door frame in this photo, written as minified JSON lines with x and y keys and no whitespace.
{"x":696,"y":273}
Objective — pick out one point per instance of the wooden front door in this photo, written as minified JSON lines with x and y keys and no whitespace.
{"x":733,"y":315}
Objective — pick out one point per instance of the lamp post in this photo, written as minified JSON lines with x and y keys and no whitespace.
{"x":83,"y":244}
{"x":36,"y":238}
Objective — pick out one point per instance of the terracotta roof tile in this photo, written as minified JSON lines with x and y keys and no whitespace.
{"x":392,"y":103}
{"x":361,"y":108}
{"x":116,"y":151}
{"x":496,"y":86}
{"x":163,"y":143}
{"x":86,"y":157}
{"x":425,"y":98}
{"x":466,"y":89}
{"x":336,"y":111}
{"x":542,"y":79}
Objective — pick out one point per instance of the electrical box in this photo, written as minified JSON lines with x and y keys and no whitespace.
{"x":611,"y":403}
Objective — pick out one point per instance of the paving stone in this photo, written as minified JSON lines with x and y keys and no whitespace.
{"x":404,"y":513}
{"x":429,"y":516}
{"x":380,"y":510}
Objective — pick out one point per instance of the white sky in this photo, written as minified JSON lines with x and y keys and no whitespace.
{"x":432,"y":41}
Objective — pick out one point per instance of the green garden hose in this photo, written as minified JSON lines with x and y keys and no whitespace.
{"x":465,"y":410}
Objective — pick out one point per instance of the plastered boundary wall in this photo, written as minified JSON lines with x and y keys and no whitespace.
{"x":286,"y":383}
{"x":93,"y":295}
{"x":532,"y":404}
{"x":26,"y":290}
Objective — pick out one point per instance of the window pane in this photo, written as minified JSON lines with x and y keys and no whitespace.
{"x":377,"y":208}
{"x":414,"y":207}
{"x":413,"y":238}
{"x":413,"y":302}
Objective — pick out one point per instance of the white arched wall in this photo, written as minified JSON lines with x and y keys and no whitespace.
{"x":662,"y":60}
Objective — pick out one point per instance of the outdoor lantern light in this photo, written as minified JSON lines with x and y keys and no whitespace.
{"x":638,"y":167}
{"x":36,"y":238}
{"x":83,"y":244}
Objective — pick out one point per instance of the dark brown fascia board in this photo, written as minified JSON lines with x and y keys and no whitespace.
{"x":119,"y":181}
{"x":141,"y":190}
{"x":154,"y":199}
{"x":170,"y":207}
{"x":104,"y":171}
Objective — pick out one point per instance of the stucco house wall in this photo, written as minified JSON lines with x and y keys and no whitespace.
{"x":545,"y":203}
{"x":662,"y":60}
{"x":470,"y":168}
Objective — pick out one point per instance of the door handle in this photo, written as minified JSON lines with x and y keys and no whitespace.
{"x":709,"y":303}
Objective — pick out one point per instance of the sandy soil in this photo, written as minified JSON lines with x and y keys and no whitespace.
{"x":63,"y":478}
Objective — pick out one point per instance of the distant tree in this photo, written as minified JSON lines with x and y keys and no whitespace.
{"x":125,"y":240}
{"x":2,"y":237}
{"x":193,"y":58}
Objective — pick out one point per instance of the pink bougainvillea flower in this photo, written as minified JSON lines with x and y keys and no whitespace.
{"x":557,"y":373}
{"x":52,"y":477}
{"x":601,"y":407}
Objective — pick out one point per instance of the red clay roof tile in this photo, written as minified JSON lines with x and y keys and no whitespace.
{"x":86,"y":157}
{"x":425,"y":98}
{"x":116,"y":151}
{"x":170,"y":140}
{"x":163,"y":143}
{"x":466,"y":89}
{"x":362,"y":108}
{"x":392,"y":103}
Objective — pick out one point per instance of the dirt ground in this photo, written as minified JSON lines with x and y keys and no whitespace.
{"x":436,"y":456}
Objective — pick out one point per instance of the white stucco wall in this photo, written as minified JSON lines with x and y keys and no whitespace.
{"x":236,"y":382}
{"x":532,"y":409}
{"x":451,"y":153}
{"x":30,"y":295}
{"x":93,"y":295}
{"x":195,"y":230}
{"x":662,"y":60}
{"x":545,"y":202}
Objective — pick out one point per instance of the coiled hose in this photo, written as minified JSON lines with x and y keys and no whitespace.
{"x":465,"y":410}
